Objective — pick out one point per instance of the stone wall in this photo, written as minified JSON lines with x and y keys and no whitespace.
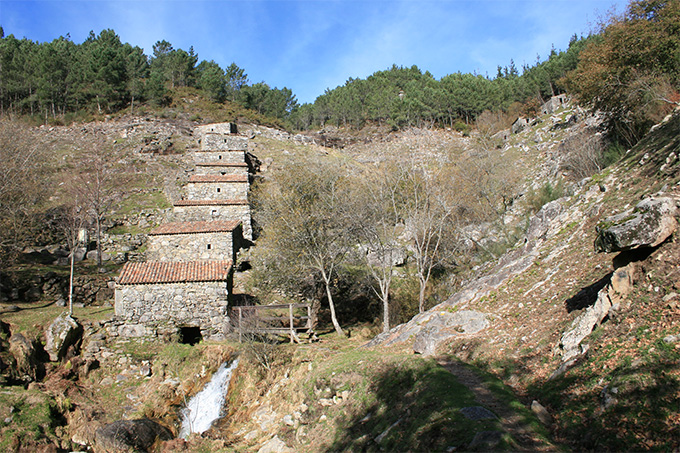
{"x":553,"y":104}
{"x":216,"y":212}
{"x":194,"y":304}
{"x":155,"y":309}
{"x":227,"y":157}
{"x":215,"y":128}
{"x":217,"y":190}
{"x":221,"y":142}
{"x":221,"y":170}
{"x":192,"y":247}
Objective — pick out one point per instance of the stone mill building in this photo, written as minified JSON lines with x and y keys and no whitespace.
{"x":184,"y":286}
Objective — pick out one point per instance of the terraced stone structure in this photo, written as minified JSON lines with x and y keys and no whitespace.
{"x":217,"y":240}
{"x":186,"y":282}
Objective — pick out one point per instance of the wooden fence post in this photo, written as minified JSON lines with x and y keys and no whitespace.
{"x":240,"y":318}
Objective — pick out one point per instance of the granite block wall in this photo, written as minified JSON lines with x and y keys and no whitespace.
{"x":227,"y":157}
{"x":192,"y":304}
{"x":217,"y":190}
{"x":216,"y":212}
{"x":221,"y":142}
{"x":191,"y":247}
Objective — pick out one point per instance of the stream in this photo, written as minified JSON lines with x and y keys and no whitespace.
{"x":206,"y":406}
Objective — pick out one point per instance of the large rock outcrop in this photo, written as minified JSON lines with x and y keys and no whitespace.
{"x":27,"y":355}
{"x":650,"y":223}
{"x":449,"y":319}
{"x":130,"y":435}
{"x":607,"y":299}
{"x":444,"y":325}
{"x":63,"y":333}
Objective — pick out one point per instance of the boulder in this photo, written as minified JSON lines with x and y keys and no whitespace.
{"x":445,"y":325}
{"x":29,"y":366}
{"x":650,"y":223}
{"x":275,"y":445}
{"x":80,"y":253}
{"x":478,"y":413}
{"x":93,"y":255}
{"x":63,"y":333}
{"x":620,"y":285}
{"x":130,"y":435}
{"x":541,"y":413}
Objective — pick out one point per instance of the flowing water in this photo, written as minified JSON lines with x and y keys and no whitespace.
{"x":206,"y":406}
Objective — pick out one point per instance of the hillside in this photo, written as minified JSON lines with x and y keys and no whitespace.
{"x":624,"y":386}
{"x":487,"y":349}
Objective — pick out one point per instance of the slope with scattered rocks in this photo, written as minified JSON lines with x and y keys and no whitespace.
{"x":611,"y":385}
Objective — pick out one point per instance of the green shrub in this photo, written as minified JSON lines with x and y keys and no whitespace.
{"x":613,"y":154}
{"x":547,"y":193}
{"x":462,"y":128}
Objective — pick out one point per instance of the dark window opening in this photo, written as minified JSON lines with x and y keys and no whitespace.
{"x":208,"y":246}
{"x":190,"y":335}
{"x":219,"y":157}
{"x":218,"y":190}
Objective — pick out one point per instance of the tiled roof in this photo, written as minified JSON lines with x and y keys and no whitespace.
{"x":215,"y":226}
{"x":174,"y":272}
{"x":200,"y":150}
{"x":221,"y":164}
{"x":210,"y":202}
{"x":218,"y":178}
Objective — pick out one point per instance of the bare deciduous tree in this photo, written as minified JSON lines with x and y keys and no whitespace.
{"x":429,"y":210}
{"x":378,"y":226}
{"x":100,"y":181}
{"x":304,"y":220}
{"x":21,"y":191}
{"x":584,"y":155}
{"x":72,"y":223}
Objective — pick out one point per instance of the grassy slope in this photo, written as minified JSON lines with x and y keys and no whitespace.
{"x":627,"y":353}
{"x":341,"y":397}
{"x":623,"y":394}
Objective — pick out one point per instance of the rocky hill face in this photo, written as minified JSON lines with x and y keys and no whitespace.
{"x":587,"y":338}
{"x":582,"y":315}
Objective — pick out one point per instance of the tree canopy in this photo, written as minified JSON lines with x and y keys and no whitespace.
{"x":629,"y":70}
{"x":105,"y":75}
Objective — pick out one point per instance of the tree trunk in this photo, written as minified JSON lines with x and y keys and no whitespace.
{"x":99,"y":242}
{"x":386,"y":313}
{"x":70,"y":285}
{"x":421,"y":295}
{"x":334,"y":319}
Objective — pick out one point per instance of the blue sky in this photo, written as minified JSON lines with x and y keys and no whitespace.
{"x":311,"y":45}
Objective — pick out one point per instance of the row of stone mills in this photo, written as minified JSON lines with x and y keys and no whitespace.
{"x":184,"y":286}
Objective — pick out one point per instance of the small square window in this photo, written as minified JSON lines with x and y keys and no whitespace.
{"x":208,"y":246}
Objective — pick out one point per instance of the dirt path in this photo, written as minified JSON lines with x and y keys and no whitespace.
{"x":513,"y":423}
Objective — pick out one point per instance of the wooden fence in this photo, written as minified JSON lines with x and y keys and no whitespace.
{"x":276,"y":319}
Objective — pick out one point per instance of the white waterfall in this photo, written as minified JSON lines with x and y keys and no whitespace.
{"x":206,"y":406}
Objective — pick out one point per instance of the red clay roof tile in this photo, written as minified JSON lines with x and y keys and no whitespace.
{"x":174,"y":272}
{"x":215,"y":226}
{"x":211,"y":202}
{"x":221,"y":164}
{"x":218,"y":178}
